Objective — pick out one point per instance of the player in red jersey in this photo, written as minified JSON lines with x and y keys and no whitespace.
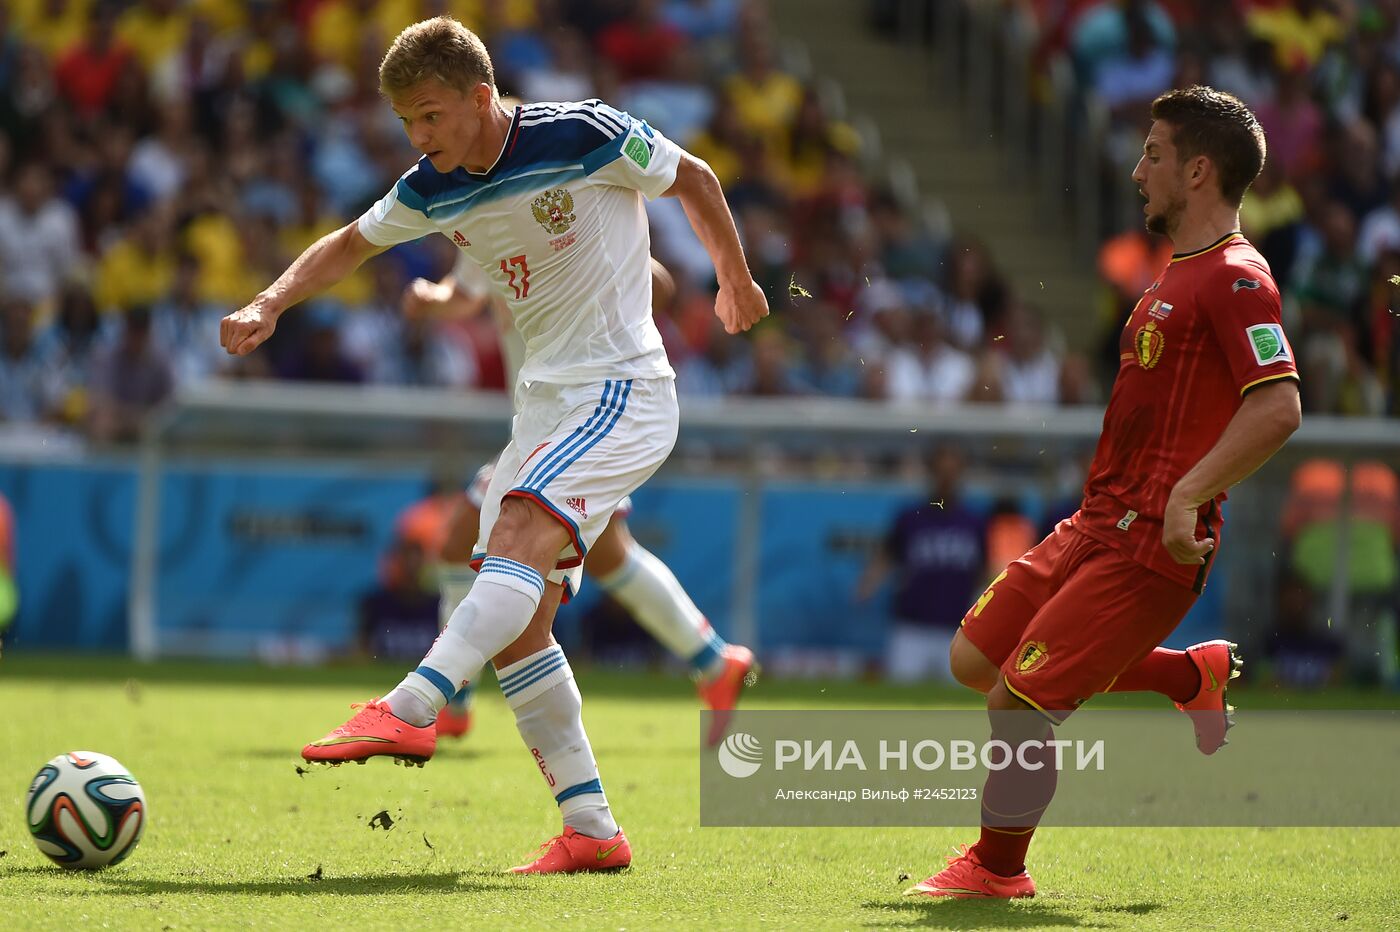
{"x":1206,"y":393}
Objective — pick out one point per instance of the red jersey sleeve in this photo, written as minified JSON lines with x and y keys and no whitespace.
{"x":1242,"y":305}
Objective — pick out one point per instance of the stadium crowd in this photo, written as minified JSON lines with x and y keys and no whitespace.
{"x":164,"y":159}
{"x":1324,"y":78}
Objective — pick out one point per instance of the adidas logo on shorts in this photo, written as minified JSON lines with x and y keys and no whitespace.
{"x":578,"y":504}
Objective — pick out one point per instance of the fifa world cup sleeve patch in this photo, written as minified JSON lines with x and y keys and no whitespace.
{"x":638,"y":151}
{"x":1268,"y":344}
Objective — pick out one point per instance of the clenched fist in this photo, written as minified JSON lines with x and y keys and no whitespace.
{"x":246,"y":329}
{"x":739,"y":308}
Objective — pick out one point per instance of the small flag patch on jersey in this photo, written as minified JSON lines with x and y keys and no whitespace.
{"x":1159,"y":310}
{"x":1253,"y":284}
{"x":1268,"y":343}
{"x":578,"y":504}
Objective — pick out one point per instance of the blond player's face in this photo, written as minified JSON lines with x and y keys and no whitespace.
{"x":440,"y":121}
{"x":1159,"y":177}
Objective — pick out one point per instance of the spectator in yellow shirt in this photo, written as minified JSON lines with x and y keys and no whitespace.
{"x":339,"y":29}
{"x":51,"y":25}
{"x":154,"y":30}
{"x":310,"y":224}
{"x":765,"y":98}
{"x":138,"y":268}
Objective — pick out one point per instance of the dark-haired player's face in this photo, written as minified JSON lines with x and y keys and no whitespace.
{"x":1160,"y":178}
{"x":441,"y":122}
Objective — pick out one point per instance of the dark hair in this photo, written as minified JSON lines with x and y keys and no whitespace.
{"x":1219,"y":126}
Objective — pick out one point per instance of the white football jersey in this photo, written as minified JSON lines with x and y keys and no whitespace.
{"x":559,"y":227}
{"x":473,"y":281}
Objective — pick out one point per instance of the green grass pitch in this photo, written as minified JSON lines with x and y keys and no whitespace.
{"x":238,"y":840}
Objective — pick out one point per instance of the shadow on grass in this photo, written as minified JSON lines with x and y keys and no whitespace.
{"x":30,"y":870}
{"x":998,"y":914}
{"x":294,"y":759}
{"x":461,"y":753}
{"x":373,"y":885}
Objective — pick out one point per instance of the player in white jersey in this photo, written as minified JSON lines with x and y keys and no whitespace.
{"x":547,"y":200}
{"x":626,"y":570}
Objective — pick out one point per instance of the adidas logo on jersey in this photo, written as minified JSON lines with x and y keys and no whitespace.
{"x":459,"y":240}
{"x":578,"y":504}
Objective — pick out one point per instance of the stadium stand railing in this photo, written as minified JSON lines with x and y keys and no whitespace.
{"x":762,"y":443}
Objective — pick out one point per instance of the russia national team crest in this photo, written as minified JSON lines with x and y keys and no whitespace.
{"x":1148,"y":343}
{"x":1031,"y":656}
{"x":554,"y":210}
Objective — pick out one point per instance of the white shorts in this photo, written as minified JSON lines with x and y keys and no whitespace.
{"x":578,"y":451}
{"x":481,"y":482}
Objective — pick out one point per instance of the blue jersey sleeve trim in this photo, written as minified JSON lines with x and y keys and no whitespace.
{"x":604,"y":155}
{"x":409,"y":197}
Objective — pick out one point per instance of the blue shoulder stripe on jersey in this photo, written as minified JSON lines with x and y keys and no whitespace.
{"x":611,"y":117}
{"x":459,"y":195}
{"x":532,"y":179}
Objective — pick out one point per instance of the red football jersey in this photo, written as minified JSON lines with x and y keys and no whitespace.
{"x":1206,"y":332}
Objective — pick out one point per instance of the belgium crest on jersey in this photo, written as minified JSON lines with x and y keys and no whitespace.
{"x":1149,"y":342}
{"x":554,"y":210}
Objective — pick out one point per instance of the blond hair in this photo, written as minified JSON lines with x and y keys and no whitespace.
{"x":439,"y":48}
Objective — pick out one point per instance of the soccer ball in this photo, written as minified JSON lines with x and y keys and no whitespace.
{"x":85,"y":810}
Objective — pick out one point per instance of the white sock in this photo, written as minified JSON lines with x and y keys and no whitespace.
{"x":648,"y":589}
{"x":495,"y":613}
{"x":548,"y":711}
{"x":454,"y":583}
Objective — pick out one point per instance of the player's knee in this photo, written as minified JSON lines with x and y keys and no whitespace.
{"x":1001,"y":699}
{"x":970,"y":666}
{"x":524,"y":531}
{"x":609,"y":552}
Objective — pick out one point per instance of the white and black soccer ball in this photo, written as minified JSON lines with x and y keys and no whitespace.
{"x":85,"y":810}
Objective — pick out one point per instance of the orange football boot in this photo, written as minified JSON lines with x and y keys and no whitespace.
{"x":966,"y":879}
{"x":1218,"y":664}
{"x":453,"y":724}
{"x":373,"y":731}
{"x":721,"y":692}
{"x":572,"y":852}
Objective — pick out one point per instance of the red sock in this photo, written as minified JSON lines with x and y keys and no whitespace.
{"x":1169,"y":672}
{"x":1003,"y":850}
{"x":1015,"y":795}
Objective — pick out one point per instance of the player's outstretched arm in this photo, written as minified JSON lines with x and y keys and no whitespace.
{"x":445,"y":298}
{"x":1267,"y":417}
{"x":740,"y":303}
{"x":325,"y":262}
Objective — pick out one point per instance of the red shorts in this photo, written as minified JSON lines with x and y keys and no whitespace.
{"x":1069,"y":616}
